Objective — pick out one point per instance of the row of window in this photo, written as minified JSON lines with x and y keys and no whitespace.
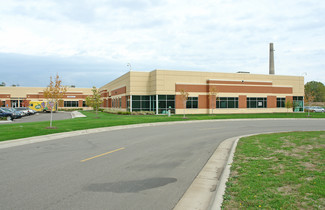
{"x":73,"y":104}
{"x":165,"y":102}
{"x":117,"y":103}
{"x":232,"y":102}
{"x":149,"y":103}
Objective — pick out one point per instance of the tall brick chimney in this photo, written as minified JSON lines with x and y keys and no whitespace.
{"x":271,"y":68}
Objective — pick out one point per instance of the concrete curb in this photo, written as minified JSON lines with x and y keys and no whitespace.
{"x":217,"y":202}
{"x":202,"y":190}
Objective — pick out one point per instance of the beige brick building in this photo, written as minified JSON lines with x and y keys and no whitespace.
{"x":160,"y":91}
{"x":17,"y":96}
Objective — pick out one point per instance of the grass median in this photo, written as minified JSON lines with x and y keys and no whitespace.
{"x":278,"y":171}
{"x":23,"y":130}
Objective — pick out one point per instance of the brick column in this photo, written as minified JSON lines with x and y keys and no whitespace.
{"x":124,"y":102}
{"x":178,"y":102}
{"x":242,"y":101}
{"x":203,"y":102}
{"x":8,"y":103}
{"x":80,"y":103}
{"x":289,"y":98}
{"x":271,"y":101}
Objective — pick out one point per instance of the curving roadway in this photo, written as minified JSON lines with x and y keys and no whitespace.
{"x":147,"y":167}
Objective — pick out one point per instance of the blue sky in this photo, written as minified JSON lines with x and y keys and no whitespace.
{"x":89,"y":42}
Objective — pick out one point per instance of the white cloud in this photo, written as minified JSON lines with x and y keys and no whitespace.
{"x":211,"y":35}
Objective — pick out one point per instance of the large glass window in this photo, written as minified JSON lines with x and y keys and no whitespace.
{"x":192,"y":103}
{"x":165,"y":103}
{"x":3,"y":103}
{"x":298,"y":103}
{"x":84,"y":104}
{"x":148,"y":103}
{"x":253,"y":102}
{"x":227,"y":102}
{"x":70,"y":104}
{"x":144,"y":103}
{"x":280,"y":102}
{"x":16,"y":103}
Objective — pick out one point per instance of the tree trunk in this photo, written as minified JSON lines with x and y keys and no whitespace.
{"x":184,"y":104}
{"x":51,"y":118}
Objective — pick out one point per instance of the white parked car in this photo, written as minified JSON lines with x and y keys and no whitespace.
{"x":23,"y":110}
{"x":316,"y":109}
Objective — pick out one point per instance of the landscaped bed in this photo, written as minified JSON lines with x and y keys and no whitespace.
{"x":278,"y":171}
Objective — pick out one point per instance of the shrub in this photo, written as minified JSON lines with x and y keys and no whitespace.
{"x":143,"y":113}
{"x":74,"y":109}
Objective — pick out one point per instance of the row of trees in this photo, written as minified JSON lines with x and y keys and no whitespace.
{"x":314,"y":92}
{"x":213,"y":94}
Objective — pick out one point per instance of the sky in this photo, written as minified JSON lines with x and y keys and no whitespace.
{"x":90,"y":42}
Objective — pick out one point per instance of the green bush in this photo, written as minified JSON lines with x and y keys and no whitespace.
{"x":123,"y":113}
{"x":74,"y":109}
{"x":143,"y":113}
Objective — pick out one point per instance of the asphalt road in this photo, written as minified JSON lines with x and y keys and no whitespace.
{"x":138,"y":168}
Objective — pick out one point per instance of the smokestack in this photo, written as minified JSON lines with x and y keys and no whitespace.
{"x":271,"y":68}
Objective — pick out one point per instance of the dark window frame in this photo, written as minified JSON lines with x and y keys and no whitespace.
{"x":192,"y":103}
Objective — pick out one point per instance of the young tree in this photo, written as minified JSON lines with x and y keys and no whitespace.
{"x":309,"y":98}
{"x":53,"y":93}
{"x":94,"y":101}
{"x":288,"y":104}
{"x":212,"y":93}
{"x":184,"y":97}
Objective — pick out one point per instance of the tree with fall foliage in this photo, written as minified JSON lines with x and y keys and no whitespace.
{"x":309,"y":98}
{"x":184,"y":97}
{"x":95,"y":100}
{"x":54,"y":93}
{"x":213,"y":95}
{"x":288,"y":104}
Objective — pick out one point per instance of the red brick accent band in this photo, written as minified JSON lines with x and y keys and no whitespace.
{"x":234,"y":89}
{"x":118,"y":91}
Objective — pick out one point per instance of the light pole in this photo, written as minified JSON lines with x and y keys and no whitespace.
{"x":129,"y":65}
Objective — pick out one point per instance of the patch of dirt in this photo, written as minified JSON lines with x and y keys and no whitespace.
{"x":51,"y":127}
{"x":288,"y":189}
{"x":309,"y":178}
{"x":309,"y":166}
{"x":278,"y":167}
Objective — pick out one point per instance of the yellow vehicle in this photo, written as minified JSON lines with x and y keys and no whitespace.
{"x":42,"y":106}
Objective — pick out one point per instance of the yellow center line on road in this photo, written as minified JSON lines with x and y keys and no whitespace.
{"x":102,"y":154}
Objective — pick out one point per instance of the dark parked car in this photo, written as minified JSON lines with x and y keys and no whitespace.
{"x":8,"y":115}
{"x":15,"y":114}
{"x":18,"y":114}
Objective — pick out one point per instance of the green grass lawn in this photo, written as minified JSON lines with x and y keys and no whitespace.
{"x":22,"y":130}
{"x":278,"y":171}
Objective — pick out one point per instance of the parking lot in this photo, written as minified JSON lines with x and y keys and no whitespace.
{"x":38,"y":117}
